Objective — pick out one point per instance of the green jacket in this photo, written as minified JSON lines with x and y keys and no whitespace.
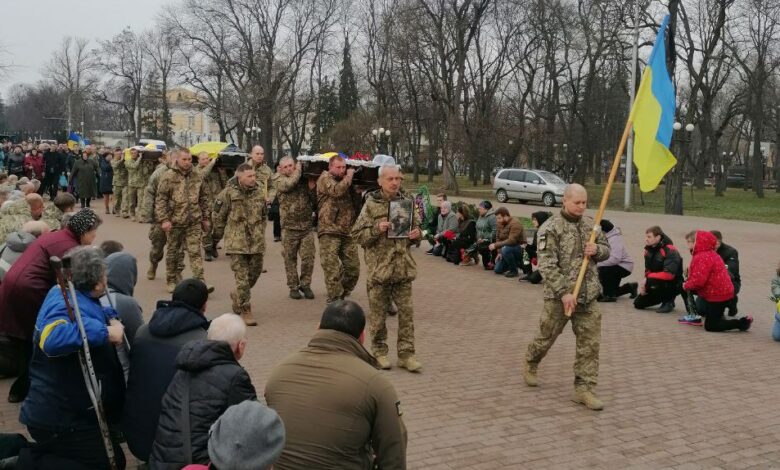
{"x":239,"y":215}
{"x":181,"y":198}
{"x":295,"y":201}
{"x":135,"y":177}
{"x":84,"y":176}
{"x":345,"y":415}
{"x":120,"y":172}
{"x":147,"y":211}
{"x":560,"y":247}
{"x":389,"y":260}
{"x":264,"y":180}
{"x":336,"y":206}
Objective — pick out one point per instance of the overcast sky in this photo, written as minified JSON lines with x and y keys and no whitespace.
{"x":31,"y":29}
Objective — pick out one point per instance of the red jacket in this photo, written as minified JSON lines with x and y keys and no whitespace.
{"x":36,"y":163}
{"x":28,"y":281}
{"x":707,"y":275}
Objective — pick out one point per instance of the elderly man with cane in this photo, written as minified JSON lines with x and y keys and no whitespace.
{"x":77,"y":383}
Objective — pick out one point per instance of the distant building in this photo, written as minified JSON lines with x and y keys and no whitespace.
{"x":191,"y":123}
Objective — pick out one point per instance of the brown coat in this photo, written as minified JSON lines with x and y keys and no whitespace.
{"x":510,"y":234}
{"x":342,"y":413}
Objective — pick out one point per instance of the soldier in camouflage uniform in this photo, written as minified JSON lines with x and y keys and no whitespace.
{"x":336,"y":214}
{"x":296,"y":206}
{"x":562,"y":242}
{"x":146,"y":169}
{"x":119,"y":181}
{"x":135,"y":184}
{"x":213,"y":182}
{"x":391,"y":270}
{"x":239,"y":215}
{"x":263,"y":172}
{"x":156,"y":234}
{"x":182,"y":210}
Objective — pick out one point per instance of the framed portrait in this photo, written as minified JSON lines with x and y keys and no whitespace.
{"x":400,"y":215}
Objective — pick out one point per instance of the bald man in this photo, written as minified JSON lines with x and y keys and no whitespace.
{"x":562,"y":242}
{"x":263,"y":172}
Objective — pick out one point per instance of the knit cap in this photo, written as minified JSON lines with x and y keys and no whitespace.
{"x":248,"y":436}
{"x":83,"y":221}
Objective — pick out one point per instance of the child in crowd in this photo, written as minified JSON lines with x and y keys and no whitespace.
{"x":776,"y":298}
{"x":710,"y":281}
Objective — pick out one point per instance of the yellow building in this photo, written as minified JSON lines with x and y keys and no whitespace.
{"x":191,"y":124}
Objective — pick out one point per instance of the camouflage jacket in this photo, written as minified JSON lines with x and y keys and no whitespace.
{"x":337,"y":205}
{"x":295,"y":201}
{"x":212,"y":180}
{"x":265,"y":180}
{"x":146,"y":170}
{"x":388,"y":260}
{"x":560,"y":247}
{"x":134,"y":175}
{"x":181,"y":198}
{"x":236,"y":216}
{"x":147,"y":211}
{"x":52,"y":216}
{"x":18,"y":213}
{"x":120,"y":172}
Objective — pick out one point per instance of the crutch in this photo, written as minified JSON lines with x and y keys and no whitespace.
{"x":61,"y":268}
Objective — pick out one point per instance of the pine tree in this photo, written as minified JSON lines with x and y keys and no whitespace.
{"x":3,"y":120}
{"x":348,"y":93}
{"x":326,"y":114}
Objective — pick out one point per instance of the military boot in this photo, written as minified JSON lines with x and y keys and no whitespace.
{"x":207,"y":255}
{"x":529,"y":375}
{"x":307,"y":292}
{"x":246,"y":315}
{"x":384,"y":362}
{"x":171,"y":286}
{"x":409,"y":363}
{"x":152,"y":272}
{"x":295,"y":294}
{"x":234,"y":298}
{"x":587,"y":398}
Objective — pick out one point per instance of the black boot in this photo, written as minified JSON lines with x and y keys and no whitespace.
{"x":666,"y":307}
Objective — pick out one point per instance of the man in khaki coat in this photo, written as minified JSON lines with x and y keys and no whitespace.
{"x":346,"y":414}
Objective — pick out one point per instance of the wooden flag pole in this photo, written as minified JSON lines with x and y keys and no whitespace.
{"x":602,"y":207}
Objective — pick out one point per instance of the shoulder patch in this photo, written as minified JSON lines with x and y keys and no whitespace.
{"x":398,"y":408}
{"x":541,"y":241}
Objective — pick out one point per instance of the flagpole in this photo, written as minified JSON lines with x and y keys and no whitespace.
{"x":607,"y":190}
{"x":632,"y":91}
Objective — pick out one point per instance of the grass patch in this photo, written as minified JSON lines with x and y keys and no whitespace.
{"x":735,"y":204}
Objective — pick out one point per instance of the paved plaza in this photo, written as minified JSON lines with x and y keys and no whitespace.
{"x":675,"y":396}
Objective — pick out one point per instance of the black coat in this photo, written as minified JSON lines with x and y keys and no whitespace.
{"x":83,"y":177}
{"x":216,"y":381}
{"x":663,"y":262}
{"x":152,"y":366}
{"x":106,"y":176}
{"x":730,"y":257}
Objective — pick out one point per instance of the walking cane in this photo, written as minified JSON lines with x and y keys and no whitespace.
{"x":61,"y":268}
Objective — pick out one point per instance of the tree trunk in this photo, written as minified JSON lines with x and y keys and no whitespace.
{"x":674,"y":186}
{"x":757,"y":166}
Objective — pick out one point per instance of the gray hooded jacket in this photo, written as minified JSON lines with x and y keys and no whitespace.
{"x":122,"y":277}
{"x":12,"y":249}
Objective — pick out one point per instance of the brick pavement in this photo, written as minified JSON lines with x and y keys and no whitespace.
{"x":676,"y":396}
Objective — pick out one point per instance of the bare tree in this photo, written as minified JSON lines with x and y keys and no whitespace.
{"x":161,"y":46}
{"x":71,"y":69}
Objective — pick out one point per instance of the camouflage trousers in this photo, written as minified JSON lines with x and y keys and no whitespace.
{"x":131,"y":200}
{"x":181,"y":238}
{"x":158,"y":238}
{"x":119,"y":195}
{"x":340,"y":264}
{"x":295,"y":243}
{"x":586,"y":324}
{"x":246,"y":270}
{"x":379,"y":298}
{"x":208,"y":239}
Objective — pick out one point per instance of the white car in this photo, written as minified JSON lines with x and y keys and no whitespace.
{"x":528,"y":185}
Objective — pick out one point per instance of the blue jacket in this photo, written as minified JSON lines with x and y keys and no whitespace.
{"x":58,"y":397}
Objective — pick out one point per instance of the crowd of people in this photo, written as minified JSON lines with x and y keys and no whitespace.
{"x":173,"y":388}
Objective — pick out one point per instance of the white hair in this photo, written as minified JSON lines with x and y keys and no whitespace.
{"x":383,"y":167}
{"x":446,"y":205}
{"x":287,"y":158}
{"x":227,"y":327}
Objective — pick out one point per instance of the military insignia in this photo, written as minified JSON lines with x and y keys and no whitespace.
{"x":541,"y":241}
{"x":218,"y":205}
{"x":398,"y":408}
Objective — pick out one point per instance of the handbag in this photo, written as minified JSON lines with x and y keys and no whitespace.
{"x":63,"y":182}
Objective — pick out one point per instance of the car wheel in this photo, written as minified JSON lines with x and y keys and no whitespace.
{"x":548,"y":199}
{"x":502,"y":196}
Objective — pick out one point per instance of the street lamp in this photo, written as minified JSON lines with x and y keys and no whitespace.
{"x":82,"y":128}
{"x":382,"y":137}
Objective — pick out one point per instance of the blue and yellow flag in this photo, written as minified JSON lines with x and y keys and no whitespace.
{"x":75,"y":140}
{"x":653,"y":117}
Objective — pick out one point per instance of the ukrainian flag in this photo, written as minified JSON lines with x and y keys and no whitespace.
{"x":653,"y":117}
{"x":75,"y":140}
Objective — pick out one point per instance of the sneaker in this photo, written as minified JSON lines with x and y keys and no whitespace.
{"x":409,"y":363}
{"x":307,"y":292}
{"x":511,"y":274}
{"x":529,"y":375}
{"x":277,"y":239}
{"x":690,"y":320}
{"x":384,"y":362}
{"x":666,"y":307}
{"x":295,"y":294}
{"x":429,"y":252}
{"x":589,"y":399}
{"x":746,"y":322}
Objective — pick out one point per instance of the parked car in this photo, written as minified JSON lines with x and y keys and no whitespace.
{"x":528,"y":185}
